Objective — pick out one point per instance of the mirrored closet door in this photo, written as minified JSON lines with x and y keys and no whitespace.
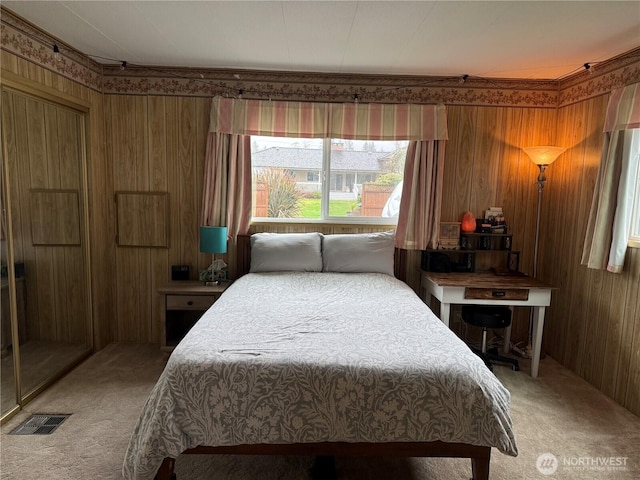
{"x":8,"y":390}
{"x":47,"y":328}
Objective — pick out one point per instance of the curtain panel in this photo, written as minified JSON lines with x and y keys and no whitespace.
{"x":351,"y":121}
{"x":421,"y":201}
{"x":623,"y":109}
{"x":226,"y":193}
{"x":609,"y":223}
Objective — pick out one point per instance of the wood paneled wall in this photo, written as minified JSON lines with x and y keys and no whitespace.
{"x":593,"y":327}
{"x":485,"y":166}
{"x":157,"y":143}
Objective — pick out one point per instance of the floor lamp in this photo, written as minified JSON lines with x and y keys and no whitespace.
{"x":543,"y":157}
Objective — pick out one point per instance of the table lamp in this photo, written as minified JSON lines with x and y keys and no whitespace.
{"x":213,"y":240}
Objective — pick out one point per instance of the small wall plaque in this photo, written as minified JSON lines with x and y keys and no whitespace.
{"x":55,"y":217}
{"x":513,"y":261}
{"x":143,"y":219}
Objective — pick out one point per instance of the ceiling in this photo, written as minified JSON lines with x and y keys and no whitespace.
{"x":498,"y":39}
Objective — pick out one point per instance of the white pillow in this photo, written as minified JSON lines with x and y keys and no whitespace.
{"x":360,"y":252}
{"x":286,"y":252}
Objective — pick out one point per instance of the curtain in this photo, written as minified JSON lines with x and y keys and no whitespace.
{"x":351,"y":121}
{"x":226,"y":195}
{"x":232,"y":121}
{"x":379,"y":121}
{"x":265,"y":118}
{"x":421,"y":201}
{"x":609,"y":223}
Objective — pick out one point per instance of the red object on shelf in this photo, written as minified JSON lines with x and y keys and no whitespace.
{"x":468,"y":222}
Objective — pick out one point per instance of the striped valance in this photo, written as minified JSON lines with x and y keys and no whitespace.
{"x":623,"y":110}
{"x":349,"y":121}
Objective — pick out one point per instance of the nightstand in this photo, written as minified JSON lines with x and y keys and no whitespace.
{"x":184,"y":304}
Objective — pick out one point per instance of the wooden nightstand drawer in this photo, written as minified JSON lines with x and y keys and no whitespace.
{"x":496,"y":293}
{"x":184,"y":303}
{"x":190,"y":302}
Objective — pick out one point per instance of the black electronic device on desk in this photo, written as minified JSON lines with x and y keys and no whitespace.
{"x":448,"y":261}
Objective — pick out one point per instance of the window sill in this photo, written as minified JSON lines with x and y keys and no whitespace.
{"x":381,"y":222}
{"x":633,"y":243}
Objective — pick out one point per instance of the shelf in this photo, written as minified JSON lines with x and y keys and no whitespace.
{"x":500,"y":242}
{"x":463,"y":259}
{"x":477,"y":234}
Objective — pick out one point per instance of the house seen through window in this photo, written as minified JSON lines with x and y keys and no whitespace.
{"x":327,"y":179}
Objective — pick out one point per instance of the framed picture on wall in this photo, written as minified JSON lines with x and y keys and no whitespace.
{"x":513,"y":262}
{"x":142,"y":219}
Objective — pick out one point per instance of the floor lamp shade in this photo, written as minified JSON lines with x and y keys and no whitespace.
{"x":545,"y":155}
{"x":213,"y":239}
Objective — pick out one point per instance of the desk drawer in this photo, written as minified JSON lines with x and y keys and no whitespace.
{"x":496,"y":293}
{"x":190,"y":302}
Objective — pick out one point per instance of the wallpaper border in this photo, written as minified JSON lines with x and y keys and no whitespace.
{"x":27,"y":41}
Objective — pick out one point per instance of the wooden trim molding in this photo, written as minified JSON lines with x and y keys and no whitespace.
{"x":317,"y":87}
{"x":613,"y":73}
{"x":26,"y":40}
{"x":22,"y":39}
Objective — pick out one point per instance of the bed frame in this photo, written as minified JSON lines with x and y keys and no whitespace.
{"x":243,"y":258}
{"x":480,"y":456}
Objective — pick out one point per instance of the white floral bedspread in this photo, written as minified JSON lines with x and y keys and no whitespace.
{"x":317,"y":357}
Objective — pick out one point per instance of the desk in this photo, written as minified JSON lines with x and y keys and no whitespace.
{"x":490,"y":289}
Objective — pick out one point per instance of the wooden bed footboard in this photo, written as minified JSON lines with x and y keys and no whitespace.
{"x":480,"y":456}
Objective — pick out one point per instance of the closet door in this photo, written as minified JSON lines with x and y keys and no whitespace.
{"x":8,"y":389}
{"x":46,"y":187}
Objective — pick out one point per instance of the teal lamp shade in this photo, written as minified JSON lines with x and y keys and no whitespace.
{"x":213,"y":239}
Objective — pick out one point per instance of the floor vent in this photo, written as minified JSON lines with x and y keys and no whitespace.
{"x":40,"y":424}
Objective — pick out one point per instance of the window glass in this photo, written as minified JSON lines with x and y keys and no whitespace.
{"x":314,"y":179}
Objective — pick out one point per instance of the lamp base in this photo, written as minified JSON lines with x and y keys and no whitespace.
{"x":523,"y":351}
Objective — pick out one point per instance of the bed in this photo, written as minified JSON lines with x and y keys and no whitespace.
{"x":320,"y":350}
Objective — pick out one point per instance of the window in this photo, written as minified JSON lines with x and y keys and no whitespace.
{"x":634,"y":235}
{"x":333,"y":179}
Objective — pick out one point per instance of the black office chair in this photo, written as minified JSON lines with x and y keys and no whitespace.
{"x":487,"y":317}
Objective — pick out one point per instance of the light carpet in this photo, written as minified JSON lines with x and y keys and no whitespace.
{"x":559,"y":414}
